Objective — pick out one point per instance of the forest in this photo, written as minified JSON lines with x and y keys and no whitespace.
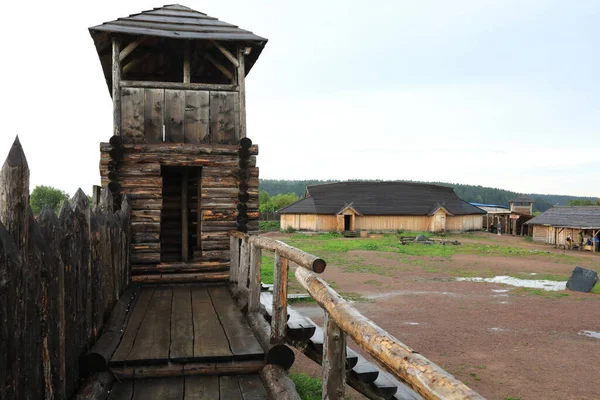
{"x":470,"y":193}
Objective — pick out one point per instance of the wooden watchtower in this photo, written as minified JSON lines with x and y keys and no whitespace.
{"x":179,"y":148}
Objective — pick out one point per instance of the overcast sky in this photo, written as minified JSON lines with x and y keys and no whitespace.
{"x":495,"y":93}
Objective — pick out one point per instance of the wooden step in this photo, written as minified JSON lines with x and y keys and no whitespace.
{"x":182,"y":277}
{"x":177,"y":267}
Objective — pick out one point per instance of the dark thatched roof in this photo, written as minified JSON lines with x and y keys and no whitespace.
{"x":381,"y":198}
{"x":583,"y":217}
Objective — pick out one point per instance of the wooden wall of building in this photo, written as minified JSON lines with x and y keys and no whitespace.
{"x":140,"y":178}
{"x":329,"y":223}
{"x":156,"y":115}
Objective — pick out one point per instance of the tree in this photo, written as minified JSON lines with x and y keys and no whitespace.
{"x":578,"y":202}
{"x":46,"y":196}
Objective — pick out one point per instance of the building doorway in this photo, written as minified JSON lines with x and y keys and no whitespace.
{"x":181,"y":216}
{"x":347,"y":223}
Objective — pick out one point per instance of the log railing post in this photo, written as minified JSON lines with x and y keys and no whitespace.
{"x":334,"y":360}
{"x":280,"y":280}
{"x":244,"y":264}
{"x":254,"y":278}
{"x":234,"y":251}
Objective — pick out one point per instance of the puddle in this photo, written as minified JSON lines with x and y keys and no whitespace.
{"x":499,"y":290}
{"x":412,"y":323}
{"x":498,"y":330}
{"x":592,"y":334}
{"x":528,"y":283}
{"x":503,"y":302}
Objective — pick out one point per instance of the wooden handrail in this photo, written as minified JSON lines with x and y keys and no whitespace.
{"x":341,"y":319}
{"x":425,"y":377}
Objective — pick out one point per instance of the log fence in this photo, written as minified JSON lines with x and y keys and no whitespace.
{"x":342,"y":320}
{"x":59,"y":279}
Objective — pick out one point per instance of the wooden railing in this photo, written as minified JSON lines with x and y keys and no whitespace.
{"x":341,"y":320}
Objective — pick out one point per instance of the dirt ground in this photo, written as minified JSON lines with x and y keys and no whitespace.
{"x":504,"y":342}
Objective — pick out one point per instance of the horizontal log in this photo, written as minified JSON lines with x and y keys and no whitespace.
{"x":182,"y":278}
{"x":164,"y":268}
{"x":172,"y":370}
{"x":180,"y":86}
{"x":97,"y":359}
{"x":422,"y":375}
{"x":278,"y":383}
{"x":293,"y":254}
{"x":146,"y":247}
{"x":144,"y":258}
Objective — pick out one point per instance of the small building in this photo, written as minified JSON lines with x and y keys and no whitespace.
{"x":522,"y":205}
{"x":559,"y":222}
{"x":494,"y":214}
{"x":381,"y":206}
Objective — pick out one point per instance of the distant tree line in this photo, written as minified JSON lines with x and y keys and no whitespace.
{"x":470,"y":193}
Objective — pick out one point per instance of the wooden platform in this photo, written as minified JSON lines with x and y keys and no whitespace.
{"x":195,"y":387}
{"x":177,"y":324}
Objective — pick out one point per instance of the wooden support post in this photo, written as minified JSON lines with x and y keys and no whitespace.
{"x":234,"y":261}
{"x":241,"y":76}
{"x":254,"y":279}
{"x":186,"y":62}
{"x":278,"y":383}
{"x":184,"y":216}
{"x":334,"y":360}
{"x":199,"y":212}
{"x":280,"y":279}
{"x":116,"y":85}
{"x":243,"y":266}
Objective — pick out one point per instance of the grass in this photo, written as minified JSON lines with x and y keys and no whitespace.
{"x":308,"y":388}
{"x":540,"y":292}
{"x":596,"y":288}
{"x":268,"y":226}
{"x":372,"y":282}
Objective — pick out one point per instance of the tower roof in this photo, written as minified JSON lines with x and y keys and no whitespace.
{"x":173,"y":22}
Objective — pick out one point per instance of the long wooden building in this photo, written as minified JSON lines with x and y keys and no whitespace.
{"x":381,"y":206}
{"x":179,"y":150}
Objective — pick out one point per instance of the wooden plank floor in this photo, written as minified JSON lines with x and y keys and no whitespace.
{"x":184,"y":324}
{"x":191,"y":387}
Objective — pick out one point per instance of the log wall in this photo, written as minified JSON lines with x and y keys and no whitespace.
{"x":140,"y":179}
{"x":328,"y":223}
{"x":59,"y":279}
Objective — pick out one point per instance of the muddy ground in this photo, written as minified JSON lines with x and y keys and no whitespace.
{"x":504,"y":342}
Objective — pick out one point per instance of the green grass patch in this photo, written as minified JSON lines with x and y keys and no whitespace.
{"x":268,"y":226}
{"x":352,"y":296}
{"x":301,"y":300}
{"x":596,"y":288}
{"x":373,"y":282}
{"x":308,"y":388}
{"x":540,"y":292}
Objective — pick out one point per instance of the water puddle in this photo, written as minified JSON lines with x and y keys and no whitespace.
{"x":412,"y":323}
{"x":499,"y":290}
{"x":527,"y":283}
{"x":498,"y":330}
{"x":592,"y":334}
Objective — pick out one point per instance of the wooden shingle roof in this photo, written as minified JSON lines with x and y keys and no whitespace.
{"x":581,"y":217}
{"x":178,"y":22}
{"x":521,"y":199}
{"x":381,"y":198}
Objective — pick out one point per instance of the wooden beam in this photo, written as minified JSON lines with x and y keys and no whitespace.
{"x":293,"y":254}
{"x":133,"y":63}
{"x":422,"y":375}
{"x":334,"y":360}
{"x":219,"y":66}
{"x":254,"y":279}
{"x":116,"y":85}
{"x":184,"y":216}
{"x":199,"y":211}
{"x":278,"y":383}
{"x":279,"y":319}
{"x":234,"y":247}
{"x":226,"y":53}
{"x":186,"y":62}
{"x":130,"y":47}
{"x":244,"y":264}
{"x":241,"y":75}
{"x":181,"y":85}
